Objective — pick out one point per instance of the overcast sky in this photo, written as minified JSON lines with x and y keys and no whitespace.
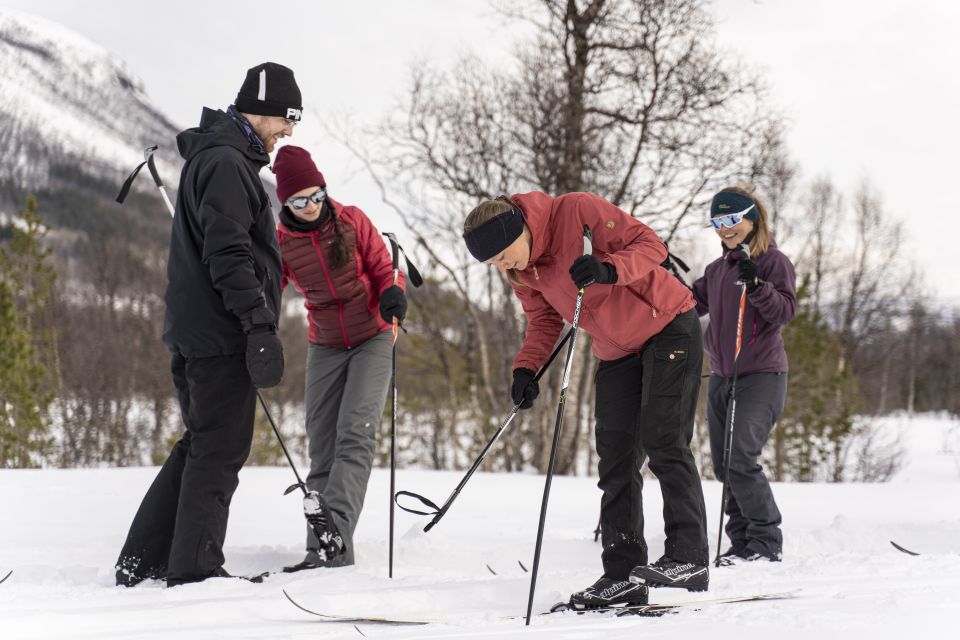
{"x":870,"y":88}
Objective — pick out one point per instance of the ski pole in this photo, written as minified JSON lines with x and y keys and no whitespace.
{"x":587,"y":250}
{"x":728,"y":435}
{"x":148,"y":161}
{"x":439,"y":512}
{"x":416,"y":281}
{"x":393,"y":409}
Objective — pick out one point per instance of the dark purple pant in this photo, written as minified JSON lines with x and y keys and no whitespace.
{"x":753,"y":519}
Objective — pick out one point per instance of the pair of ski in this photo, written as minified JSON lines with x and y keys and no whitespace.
{"x":647,"y":610}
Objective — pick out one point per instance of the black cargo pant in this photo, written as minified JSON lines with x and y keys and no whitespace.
{"x":179,"y":529}
{"x":753,"y":523}
{"x":646,"y":405}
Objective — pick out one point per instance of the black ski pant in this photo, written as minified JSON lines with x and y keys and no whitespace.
{"x":753,"y":519}
{"x":646,"y":406}
{"x":179,"y":529}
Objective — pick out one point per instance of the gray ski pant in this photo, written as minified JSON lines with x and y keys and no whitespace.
{"x":345,"y":393}
{"x":753,"y":523}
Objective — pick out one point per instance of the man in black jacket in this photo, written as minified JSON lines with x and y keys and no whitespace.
{"x":223,"y":298}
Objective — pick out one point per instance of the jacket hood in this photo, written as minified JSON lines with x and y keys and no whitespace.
{"x":217,"y":129}
{"x":537,"y":209}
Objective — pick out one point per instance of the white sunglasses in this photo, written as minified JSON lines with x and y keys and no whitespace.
{"x":730,"y":220}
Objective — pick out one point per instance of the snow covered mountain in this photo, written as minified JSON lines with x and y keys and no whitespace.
{"x":69,"y":105}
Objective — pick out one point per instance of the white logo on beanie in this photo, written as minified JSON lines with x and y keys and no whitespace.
{"x":262,"y":93}
{"x":293,"y":114}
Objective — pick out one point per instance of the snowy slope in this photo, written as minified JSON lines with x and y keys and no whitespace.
{"x":68,"y":101}
{"x":61,"y":530}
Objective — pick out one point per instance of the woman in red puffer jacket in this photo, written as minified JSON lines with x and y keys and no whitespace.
{"x":334,"y":256}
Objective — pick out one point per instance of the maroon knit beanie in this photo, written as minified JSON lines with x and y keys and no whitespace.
{"x":295,"y":171}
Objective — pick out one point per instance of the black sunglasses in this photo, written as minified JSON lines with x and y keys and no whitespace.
{"x":301,"y":202}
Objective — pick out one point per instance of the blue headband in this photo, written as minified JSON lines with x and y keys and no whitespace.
{"x":494,"y":235}
{"x":728,"y":202}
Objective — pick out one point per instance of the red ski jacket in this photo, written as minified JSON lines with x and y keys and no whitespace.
{"x":343,"y":305}
{"x":620,"y":317}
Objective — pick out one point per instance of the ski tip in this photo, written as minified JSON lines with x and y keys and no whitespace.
{"x":4,"y":578}
{"x":295,"y":603}
{"x":906,"y":551}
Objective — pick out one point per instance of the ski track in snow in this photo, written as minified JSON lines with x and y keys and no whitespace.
{"x":62,"y":529}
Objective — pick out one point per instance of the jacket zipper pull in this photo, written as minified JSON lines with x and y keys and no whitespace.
{"x":654,"y":310}
{"x":536,"y":274}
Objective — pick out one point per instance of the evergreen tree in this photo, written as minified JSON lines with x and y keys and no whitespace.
{"x":810,"y":438}
{"x":28,"y":355}
{"x":26,"y":265}
{"x":22,"y":405}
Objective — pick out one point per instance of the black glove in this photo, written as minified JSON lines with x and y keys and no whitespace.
{"x":393,"y":302}
{"x":747,"y":274}
{"x":264,"y":356}
{"x":587,"y":270}
{"x":524,"y":389}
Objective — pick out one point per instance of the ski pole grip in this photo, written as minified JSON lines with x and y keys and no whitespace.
{"x":152,"y":166}
{"x":435,"y":520}
{"x":394,"y":249}
{"x":412,"y":274}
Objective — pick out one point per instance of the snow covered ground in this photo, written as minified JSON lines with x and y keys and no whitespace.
{"x":61,"y":529}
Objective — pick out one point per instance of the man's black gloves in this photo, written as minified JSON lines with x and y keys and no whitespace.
{"x":264,"y":356}
{"x":588,"y":270}
{"x":393,"y":303}
{"x":524,"y":389}
{"x":747,"y":274}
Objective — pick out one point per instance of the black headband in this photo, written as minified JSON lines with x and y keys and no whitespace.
{"x":494,"y":235}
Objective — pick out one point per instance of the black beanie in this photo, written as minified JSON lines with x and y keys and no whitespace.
{"x":270,"y":90}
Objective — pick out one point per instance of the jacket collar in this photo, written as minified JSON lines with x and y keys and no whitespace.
{"x":537,"y":209}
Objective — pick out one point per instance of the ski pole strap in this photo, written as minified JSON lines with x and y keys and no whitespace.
{"x":151,"y":166}
{"x":415,"y":278}
{"x":680,"y":263}
{"x":427,"y":502}
{"x":439,"y":512}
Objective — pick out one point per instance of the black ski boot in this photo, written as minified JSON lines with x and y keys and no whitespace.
{"x":130,"y":573}
{"x":607,"y":592}
{"x":219,"y":572}
{"x":667,"y":572}
{"x":732,"y":556}
{"x":310,"y":562}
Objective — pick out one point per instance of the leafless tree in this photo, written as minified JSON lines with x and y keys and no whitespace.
{"x":630,"y":99}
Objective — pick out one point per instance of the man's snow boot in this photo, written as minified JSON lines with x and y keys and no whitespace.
{"x":219,"y":572}
{"x":130,"y":573}
{"x":667,"y":572}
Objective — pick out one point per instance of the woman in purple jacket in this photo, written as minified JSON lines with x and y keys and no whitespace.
{"x":739,"y":219}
